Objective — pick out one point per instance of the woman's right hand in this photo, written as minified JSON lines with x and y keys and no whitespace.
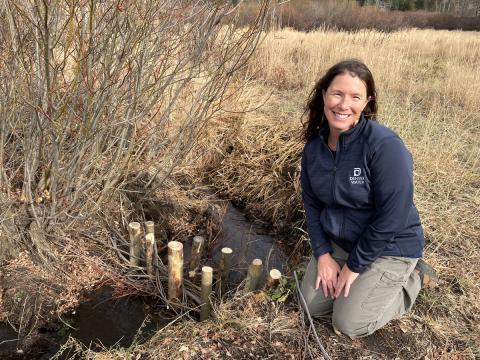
{"x":327,"y":273}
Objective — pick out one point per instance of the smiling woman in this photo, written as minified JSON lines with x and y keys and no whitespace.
{"x":357,"y":190}
{"x":344,"y":100}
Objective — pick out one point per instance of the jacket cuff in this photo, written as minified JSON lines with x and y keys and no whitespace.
{"x":355,"y":267}
{"x":322,"y":250}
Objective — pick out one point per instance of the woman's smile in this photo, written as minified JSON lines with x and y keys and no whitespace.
{"x":341,"y":116}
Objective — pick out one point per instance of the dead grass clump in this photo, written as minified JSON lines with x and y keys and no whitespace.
{"x":260,"y":171}
{"x":246,"y":327}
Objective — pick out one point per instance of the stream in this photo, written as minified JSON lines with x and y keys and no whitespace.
{"x":103,"y":321}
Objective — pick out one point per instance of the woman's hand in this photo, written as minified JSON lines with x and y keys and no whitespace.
{"x":345,"y":280}
{"x":327,"y":272}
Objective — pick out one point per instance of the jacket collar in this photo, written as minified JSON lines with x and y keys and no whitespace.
{"x":348,"y":136}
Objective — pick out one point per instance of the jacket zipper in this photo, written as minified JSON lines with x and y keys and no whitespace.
{"x":342,"y":228}
{"x":335,"y":162}
{"x":341,"y":234}
{"x":334,"y":172}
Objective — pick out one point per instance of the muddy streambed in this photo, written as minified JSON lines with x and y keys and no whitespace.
{"x":248,"y":241}
{"x":102,"y":321}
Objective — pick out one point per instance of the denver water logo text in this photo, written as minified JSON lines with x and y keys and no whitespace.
{"x":357,"y":178}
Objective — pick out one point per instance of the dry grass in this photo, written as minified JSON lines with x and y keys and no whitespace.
{"x":428,"y":84}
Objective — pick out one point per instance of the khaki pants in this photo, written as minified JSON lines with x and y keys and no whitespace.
{"x":386,"y":290}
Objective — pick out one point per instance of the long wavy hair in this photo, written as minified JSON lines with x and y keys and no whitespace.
{"x":315,"y":104}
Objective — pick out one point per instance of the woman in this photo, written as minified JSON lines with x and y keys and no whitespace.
{"x":357,"y":190}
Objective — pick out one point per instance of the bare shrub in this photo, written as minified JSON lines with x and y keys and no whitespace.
{"x":93,"y":91}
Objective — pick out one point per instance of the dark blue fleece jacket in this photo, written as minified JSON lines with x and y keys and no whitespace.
{"x":361,"y":198}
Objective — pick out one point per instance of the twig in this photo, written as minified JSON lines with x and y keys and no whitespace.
{"x":6,"y":341}
{"x":304,"y":305}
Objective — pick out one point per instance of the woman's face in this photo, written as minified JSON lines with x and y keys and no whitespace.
{"x":344,"y":100}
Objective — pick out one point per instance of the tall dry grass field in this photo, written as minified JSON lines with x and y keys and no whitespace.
{"x":429,"y":84}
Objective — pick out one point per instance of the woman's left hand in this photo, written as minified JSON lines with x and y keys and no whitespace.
{"x":345,"y":280}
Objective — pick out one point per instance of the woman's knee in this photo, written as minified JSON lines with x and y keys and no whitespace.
{"x":315,"y":303}
{"x":350,"y":325}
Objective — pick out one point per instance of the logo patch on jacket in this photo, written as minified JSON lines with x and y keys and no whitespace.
{"x":357,"y":178}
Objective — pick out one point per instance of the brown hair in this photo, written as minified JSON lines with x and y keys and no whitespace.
{"x":315,"y":102}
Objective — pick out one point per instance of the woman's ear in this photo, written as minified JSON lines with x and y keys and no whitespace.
{"x":370,"y":98}
{"x":323,"y":95}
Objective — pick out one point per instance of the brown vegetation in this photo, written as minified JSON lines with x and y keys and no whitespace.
{"x":308,"y":15}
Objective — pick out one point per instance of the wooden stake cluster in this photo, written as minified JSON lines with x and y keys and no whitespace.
{"x":175,"y":266}
{"x":148,"y":244}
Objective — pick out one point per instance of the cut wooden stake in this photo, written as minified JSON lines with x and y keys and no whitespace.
{"x":207,"y":278}
{"x":175,"y":270}
{"x":253,"y":275}
{"x":225,"y":265}
{"x":150,"y":246}
{"x":135,"y":243}
{"x":196,"y":255}
{"x":149,"y":227}
{"x":273,"y":279}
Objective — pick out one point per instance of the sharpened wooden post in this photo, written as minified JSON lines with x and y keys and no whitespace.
{"x":207,"y":279}
{"x":253,"y":275}
{"x":150,"y":227}
{"x":175,"y":270}
{"x":273,"y":279}
{"x":150,"y":246}
{"x":135,"y":243}
{"x":196,"y":255}
{"x":225,"y":265}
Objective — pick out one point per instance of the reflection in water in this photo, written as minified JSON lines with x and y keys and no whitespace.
{"x":248,"y":241}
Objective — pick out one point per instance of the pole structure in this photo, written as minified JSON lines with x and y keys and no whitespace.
{"x":273,"y":279}
{"x":225,"y":266}
{"x":135,"y":243}
{"x":196,"y":254}
{"x":150,"y":227}
{"x":175,"y":270}
{"x":150,"y":246}
{"x":253,"y":275}
{"x":207,"y":279}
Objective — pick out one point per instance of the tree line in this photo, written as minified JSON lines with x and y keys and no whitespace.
{"x":456,"y":7}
